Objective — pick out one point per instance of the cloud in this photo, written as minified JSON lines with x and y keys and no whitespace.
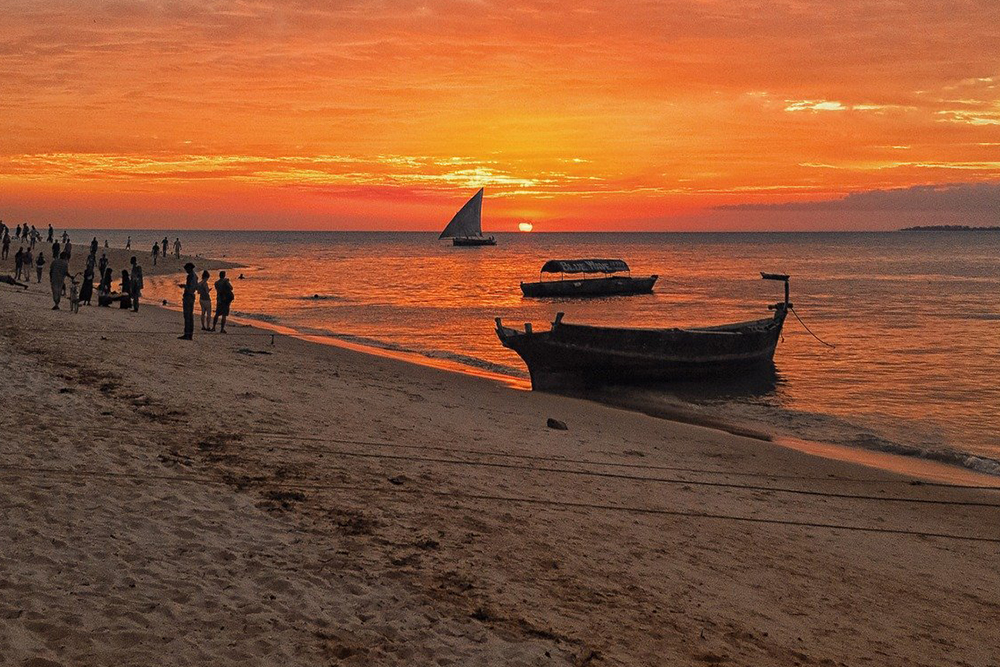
{"x":950,"y":197}
{"x":651,"y":105}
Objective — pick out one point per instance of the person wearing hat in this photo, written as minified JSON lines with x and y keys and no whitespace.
{"x":190,"y":291}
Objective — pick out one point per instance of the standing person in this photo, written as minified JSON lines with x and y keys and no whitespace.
{"x":51,"y":232}
{"x":55,"y":251}
{"x":17,"y":233}
{"x":125,"y":303}
{"x":102,"y":264}
{"x":128,"y":242}
{"x":177,"y":247}
{"x":34,"y":236}
{"x":164,"y":249}
{"x":136,"y":286}
{"x":6,"y":245}
{"x":93,"y":247}
{"x":156,"y":252}
{"x":205,"y":298}
{"x":223,"y":298}
{"x":190,"y":290}
{"x":18,"y":263}
{"x":65,"y":237}
{"x":68,"y":248}
{"x":87,"y":289}
{"x":40,"y":264}
{"x":28,"y":262}
{"x":58,"y":271}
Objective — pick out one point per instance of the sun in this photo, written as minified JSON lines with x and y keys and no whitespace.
{"x":525,"y":226}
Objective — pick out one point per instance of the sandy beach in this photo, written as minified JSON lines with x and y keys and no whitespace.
{"x":229,"y":501}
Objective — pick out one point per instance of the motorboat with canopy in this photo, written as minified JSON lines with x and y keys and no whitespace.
{"x":598,"y":277}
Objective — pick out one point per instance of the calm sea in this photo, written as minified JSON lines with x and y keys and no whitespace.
{"x":914,"y":316}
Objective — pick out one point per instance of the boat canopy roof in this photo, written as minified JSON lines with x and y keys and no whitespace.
{"x":584,"y":266}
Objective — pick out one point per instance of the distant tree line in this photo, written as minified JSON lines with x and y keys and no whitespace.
{"x":949,"y":228}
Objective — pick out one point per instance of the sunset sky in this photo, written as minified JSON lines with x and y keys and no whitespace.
{"x":689,"y":114}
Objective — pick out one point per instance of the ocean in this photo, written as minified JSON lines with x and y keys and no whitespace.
{"x":914,"y":317}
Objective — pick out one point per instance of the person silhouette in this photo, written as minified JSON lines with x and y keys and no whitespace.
{"x":223,"y":298}
{"x":205,"y":299}
{"x":125,"y":302}
{"x":18,"y":263}
{"x":136,"y":285}
{"x":87,"y":288}
{"x":190,"y":291}
{"x":58,"y":270}
{"x":104,"y":289}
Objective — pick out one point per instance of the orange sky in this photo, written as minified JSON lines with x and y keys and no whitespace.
{"x":584,"y":115}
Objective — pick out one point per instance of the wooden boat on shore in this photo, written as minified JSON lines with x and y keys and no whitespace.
{"x":615,"y":279}
{"x":466,"y":229}
{"x":571,"y":355}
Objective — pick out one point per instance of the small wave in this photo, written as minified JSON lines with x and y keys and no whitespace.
{"x":463,"y":359}
{"x":979,"y":316}
{"x":260,"y":317}
{"x":763,"y":414}
{"x":974,"y":462}
{"x":321,"y":297}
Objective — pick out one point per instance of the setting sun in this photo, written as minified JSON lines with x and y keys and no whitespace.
{"x":525,"y":226}
{"x":308,"y":115}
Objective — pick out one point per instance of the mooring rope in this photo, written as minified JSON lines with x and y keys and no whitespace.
{"x":13,"y":471}
{"x":831,"y":345}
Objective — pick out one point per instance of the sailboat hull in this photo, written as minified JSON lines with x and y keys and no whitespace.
{"x":472,"y":241}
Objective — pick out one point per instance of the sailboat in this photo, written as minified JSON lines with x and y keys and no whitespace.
{"x":466,"y":228}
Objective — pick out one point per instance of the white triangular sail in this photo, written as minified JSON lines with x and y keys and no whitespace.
{"x":468,"y":221}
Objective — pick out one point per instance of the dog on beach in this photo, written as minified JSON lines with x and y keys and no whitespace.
{"x":74,"y":296}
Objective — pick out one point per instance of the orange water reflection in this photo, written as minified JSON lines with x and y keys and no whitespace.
{"x":913,"y":317}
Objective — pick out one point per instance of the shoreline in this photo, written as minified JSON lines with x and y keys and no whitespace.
{"x":930,"y":465}
{"x":949,"y":464}
{"x":225,"y":501}
{"x":918,"y":465}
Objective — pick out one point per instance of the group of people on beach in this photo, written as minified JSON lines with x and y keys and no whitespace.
{"x":130,"y":285}
{"x":158,"y":249}
{"x":82,"y":292}
{"x":193,"y":287}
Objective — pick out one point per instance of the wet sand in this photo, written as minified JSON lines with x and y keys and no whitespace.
{"x":229,"y":502}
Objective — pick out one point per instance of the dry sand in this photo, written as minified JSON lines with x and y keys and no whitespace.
{"x":229,"y":502}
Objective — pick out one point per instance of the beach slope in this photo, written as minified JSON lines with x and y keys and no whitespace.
{"x":228,"y":501}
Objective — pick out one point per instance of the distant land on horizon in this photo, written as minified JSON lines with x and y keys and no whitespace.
{"x":950,"y":228}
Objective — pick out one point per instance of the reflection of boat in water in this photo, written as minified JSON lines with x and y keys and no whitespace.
{"x":466,"y":228}
{"x":576,"y":354}
{"x":611,"y":283}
